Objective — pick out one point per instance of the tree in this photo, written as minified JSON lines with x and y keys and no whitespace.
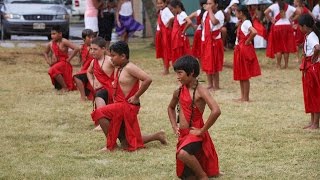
{"x":150,"y":9}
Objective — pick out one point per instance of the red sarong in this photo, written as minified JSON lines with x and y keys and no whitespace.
{"x":180,"y":42}
{"x":212,"y":51}
{"x":158,"y":40}
{"x":281,"y":39}
{"x":86,"y":59}
{"x":62,"y":66}
{"x":104,"y":79}
{"x":311,"y":85}
{"x":207,"y":156}
{"x":245,"y":61}
{"x":121,"y":112}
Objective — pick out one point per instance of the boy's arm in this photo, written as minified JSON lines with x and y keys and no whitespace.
{"x":188,"y":23}
{"x":46,"y":53}
{"x":172,"y":111}
{"x":213,"y":106}
{"x":90,"y":73}
{"x":142,"y":76}
{"x":316,"y":53}
{"x":75,"y":49}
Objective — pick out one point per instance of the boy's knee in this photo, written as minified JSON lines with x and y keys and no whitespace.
{"x":182,"y":154}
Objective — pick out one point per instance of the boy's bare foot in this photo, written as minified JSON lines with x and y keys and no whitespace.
{"x":97,"y":128}
{"x":210,"y":88}
{"x":165,"y":72}
{"x":83,"y":99}
{"x":313,"y":127}
{"x":104,"y":150}
{"x":238,"y":100}
{"x":161,"y":136}
{"x":278,"y":66}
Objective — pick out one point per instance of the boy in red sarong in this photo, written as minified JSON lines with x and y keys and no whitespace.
{"x":100,"y":74}
{"x":81,"y":79}
{"x":196,"y":156}
{"x":310,"y":68}
{"x":60,"y":70}
{"x":119,"y":119}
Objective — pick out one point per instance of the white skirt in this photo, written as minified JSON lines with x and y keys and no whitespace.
{"x":91,"y":23}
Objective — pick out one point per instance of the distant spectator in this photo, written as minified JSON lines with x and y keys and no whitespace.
{"x":91,"y":15}
{"x":106,"y":18}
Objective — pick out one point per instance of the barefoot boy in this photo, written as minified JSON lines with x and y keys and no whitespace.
{"x":100,"y":74}
{"x":122,"y":114}
{"x":196,"y":156}
{"x":81,"y":78}
{"x":60,"y":70}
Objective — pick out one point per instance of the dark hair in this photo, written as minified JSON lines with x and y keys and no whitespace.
{"x":120,"y":48}
{"x":57,"y":28}
{"x":101,"y":42}
{"x":307,"y":20}
{"x":189,"y":64}
{"x":245,"y":11}
{"x":175,"y":3}
{"x":87,"y":32}
{"x":202,"y":2}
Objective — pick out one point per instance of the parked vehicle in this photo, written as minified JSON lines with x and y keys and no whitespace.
{"x":33,"y":17}
{"x":78,"y":7}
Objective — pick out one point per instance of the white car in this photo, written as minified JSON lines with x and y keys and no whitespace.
{"x":78,"y":7}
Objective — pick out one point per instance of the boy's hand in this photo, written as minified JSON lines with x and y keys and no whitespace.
{"x":133,"y":100}
{"x":177,"y":132}
{"x":195,"y":131}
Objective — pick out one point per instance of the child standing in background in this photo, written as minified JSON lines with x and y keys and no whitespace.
{"x":81,"y":79}
{"x":310,"y":68}
{"x":126,"y":24}
{"x":180,"y":42}
{"x":163,"y":35}
{"x":212,"y":49}
{"x":196,"y":45}
{"x":245,"y":61}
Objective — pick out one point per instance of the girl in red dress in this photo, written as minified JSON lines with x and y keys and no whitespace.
{"x":163,"y":35}
{"x":281,"y":38}
{"x":180,"y":42}
{"x":196,"y":46}
{"x":245,"y":61}
{"x":212,"y":50}
{"x":310,"y":68}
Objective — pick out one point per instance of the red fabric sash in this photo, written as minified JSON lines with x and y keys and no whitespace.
{"x":86,"y":58}
{"x":102,"y":77}
{"x":130,"y":119}
{"x":60,"y":55}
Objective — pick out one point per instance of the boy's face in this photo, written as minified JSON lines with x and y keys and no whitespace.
{"x":182,"y":77}
{"x":96,"y":51}
{"x":173,"y":10}
{"x":56,"y":35}
{"x":88,"y":40}
{"x":117,"y":59}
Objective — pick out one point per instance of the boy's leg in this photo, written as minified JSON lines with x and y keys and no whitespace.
{"x":100,"y":100}
{"x":158,"y":136}
{"x":192,"y":162}
{"x":315,"y":124}
{"x":311,"y":121}
{"x":61,"y":81}
{"x":80,"y":87}
{"x":104,"y":124}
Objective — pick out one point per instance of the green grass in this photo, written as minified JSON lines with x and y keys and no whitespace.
{"x":44,"y":135}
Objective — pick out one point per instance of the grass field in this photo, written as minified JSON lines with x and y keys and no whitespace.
{"x":44,"y":135}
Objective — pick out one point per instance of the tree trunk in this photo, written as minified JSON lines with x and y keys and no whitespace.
{"x":150,"y":9}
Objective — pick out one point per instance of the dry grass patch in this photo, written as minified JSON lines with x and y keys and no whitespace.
{"x":49,"y":136}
